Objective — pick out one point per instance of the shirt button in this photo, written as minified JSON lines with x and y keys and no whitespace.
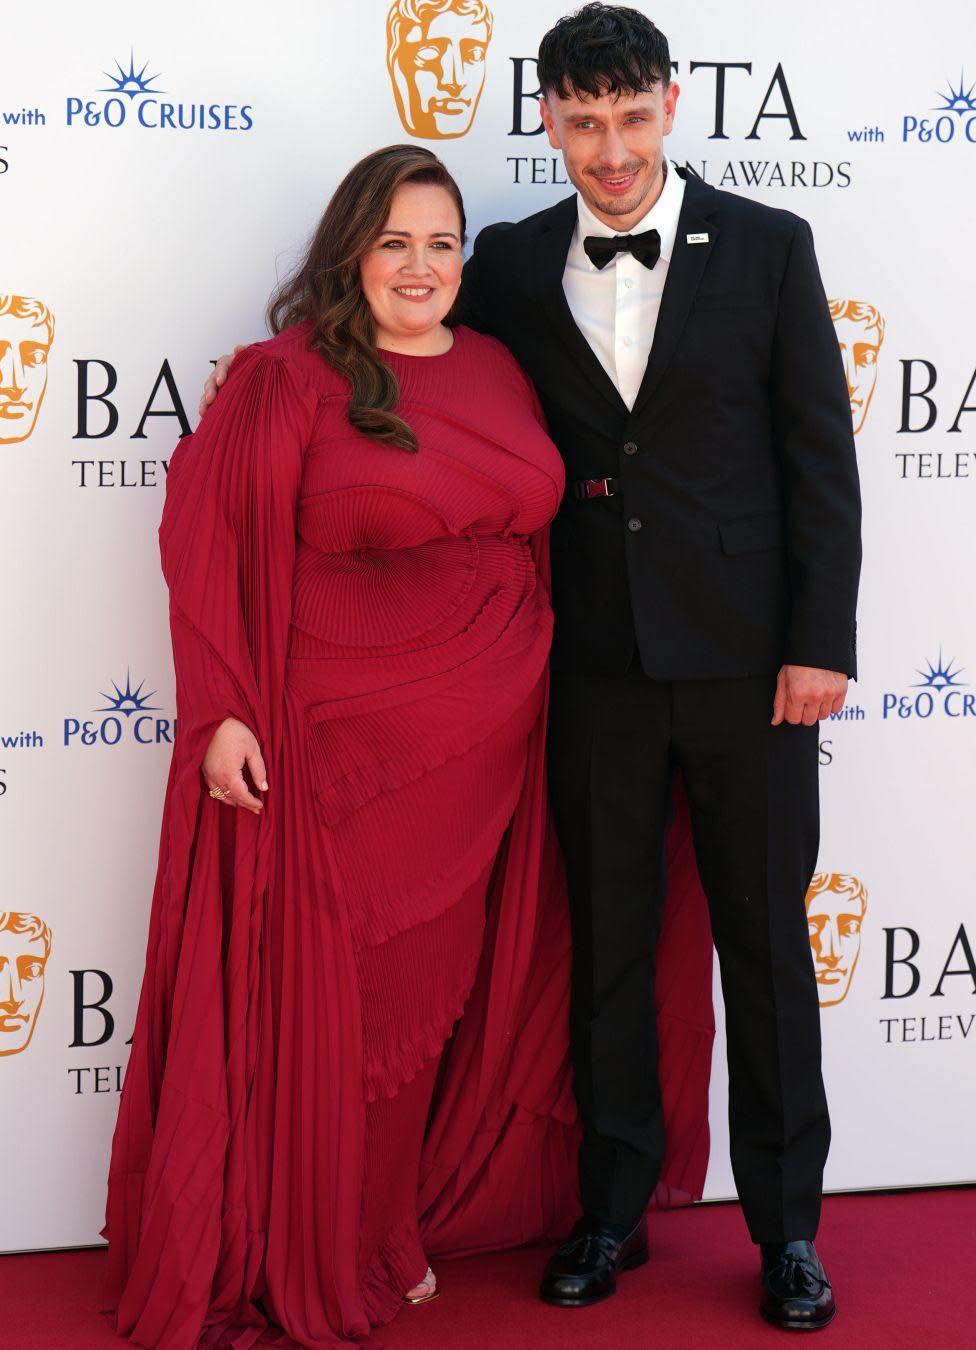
{"x":634,"y":524}
{"x":627,"y":341}
{"x":628,"y":282}
{"x":630,"y":448}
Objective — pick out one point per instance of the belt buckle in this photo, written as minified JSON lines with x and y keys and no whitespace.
{"x":598,"y":487}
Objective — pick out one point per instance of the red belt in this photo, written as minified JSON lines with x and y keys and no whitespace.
{"x":584,"y":488}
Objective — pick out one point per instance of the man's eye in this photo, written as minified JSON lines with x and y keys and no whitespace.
{"x":427,"y":53}
{"x":475,"y":54}
{"x":35,"y":357}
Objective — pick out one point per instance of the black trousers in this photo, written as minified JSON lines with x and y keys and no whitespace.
{"x":615,"y":742}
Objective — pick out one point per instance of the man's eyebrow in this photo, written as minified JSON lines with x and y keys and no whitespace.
{"x":591,"y":116}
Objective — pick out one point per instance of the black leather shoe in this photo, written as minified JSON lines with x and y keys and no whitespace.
{"x":796,"y":1293}
{"x":584,"y":1269}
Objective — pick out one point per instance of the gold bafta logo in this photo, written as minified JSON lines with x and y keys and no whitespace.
{"x":435,"y":53}
{"x":836,"y":905}
{"x":26,"y":334}
{"x":25,"y":945}
{"x":860,"y":331}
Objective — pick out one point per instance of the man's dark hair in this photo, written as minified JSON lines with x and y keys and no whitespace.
{"x":603,"y":49}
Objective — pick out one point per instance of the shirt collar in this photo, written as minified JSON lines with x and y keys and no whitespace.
{"x":663,"y":216}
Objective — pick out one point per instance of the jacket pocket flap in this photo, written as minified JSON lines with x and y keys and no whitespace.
{"x":752,"y":534}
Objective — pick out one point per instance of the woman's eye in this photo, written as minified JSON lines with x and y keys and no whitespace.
{"x":393,"y":243}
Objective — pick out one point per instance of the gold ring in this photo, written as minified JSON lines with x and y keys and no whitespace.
{"x":220,"y":793}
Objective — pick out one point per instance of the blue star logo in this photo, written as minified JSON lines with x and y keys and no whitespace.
{"x":959,"y":100}
{"x":130,"y":81}
{"x":940,"y":676}
{"x":128,"y":700}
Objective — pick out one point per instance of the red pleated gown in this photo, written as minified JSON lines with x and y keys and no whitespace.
{"x":305,"y":1121}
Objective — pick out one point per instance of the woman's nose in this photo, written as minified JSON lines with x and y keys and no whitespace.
{"x":416,"y":262}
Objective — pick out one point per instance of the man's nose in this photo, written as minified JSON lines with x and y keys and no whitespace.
{"x":452,"y":78}
{"x":615,"y":151}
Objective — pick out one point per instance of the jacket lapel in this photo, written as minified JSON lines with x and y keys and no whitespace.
{"x":551,"y":251}
{"x":685,"y":271}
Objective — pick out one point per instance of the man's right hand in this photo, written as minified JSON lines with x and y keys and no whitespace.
{"x":215,"y":380}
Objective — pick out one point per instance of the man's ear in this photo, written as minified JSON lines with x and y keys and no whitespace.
{"x":549,"y":123}
{"x":670,"y":105}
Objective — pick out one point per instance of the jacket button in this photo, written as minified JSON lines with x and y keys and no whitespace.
{"x":634,"y":524}
{"x":630,"y":448}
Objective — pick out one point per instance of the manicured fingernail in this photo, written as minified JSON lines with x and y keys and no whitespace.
{"x":264,"y":787}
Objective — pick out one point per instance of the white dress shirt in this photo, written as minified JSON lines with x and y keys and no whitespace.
{"x":616,"y":307}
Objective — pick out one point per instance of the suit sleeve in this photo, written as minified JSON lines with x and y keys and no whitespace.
{"x":814,"y":436}
{"x":472,"y":307}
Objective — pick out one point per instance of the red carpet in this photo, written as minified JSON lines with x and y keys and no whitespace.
{"x":903,"y":1267}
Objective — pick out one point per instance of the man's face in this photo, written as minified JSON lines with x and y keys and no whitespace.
{"x":439,"y":73}
{"x":834,"y":924}
{"x":24,"y":346}
{"x":859,"y":347}
{"x":22,"y":963}
{"x":613,"y":148}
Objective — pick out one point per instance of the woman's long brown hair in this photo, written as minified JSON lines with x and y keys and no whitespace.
{"x":326,"y":287}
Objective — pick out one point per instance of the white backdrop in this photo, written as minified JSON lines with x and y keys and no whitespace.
{"x":154,"y":241}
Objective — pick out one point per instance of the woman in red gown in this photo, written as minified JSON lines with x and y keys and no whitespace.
{"x":362,"y":631}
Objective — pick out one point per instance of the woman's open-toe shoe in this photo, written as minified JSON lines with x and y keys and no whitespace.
{"x":425,"y":1290}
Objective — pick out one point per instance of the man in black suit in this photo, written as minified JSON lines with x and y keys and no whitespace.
{"x":705,"y":566}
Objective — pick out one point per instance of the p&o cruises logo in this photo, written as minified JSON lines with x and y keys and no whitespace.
{"x":954,"y":120}
{"x":126,"y":715}
{"x":133,"y":96}
{"x":940,"y":692}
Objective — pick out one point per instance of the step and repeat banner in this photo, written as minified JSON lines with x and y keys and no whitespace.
{"x":160,"y":168}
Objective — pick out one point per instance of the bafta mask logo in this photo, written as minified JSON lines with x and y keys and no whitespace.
{"x":26,"y":334}
{"x":435,"y":53}
{"x":860,"y":332}
{"x":836,"y":906}
{"x":25,"y":945}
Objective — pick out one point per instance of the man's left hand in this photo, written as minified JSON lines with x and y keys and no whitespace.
{"x":806,"y":694}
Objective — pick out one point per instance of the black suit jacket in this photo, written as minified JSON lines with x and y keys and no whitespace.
{"x":732,"y":544}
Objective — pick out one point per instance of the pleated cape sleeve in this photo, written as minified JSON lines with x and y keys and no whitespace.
{"x":179,"y":1193}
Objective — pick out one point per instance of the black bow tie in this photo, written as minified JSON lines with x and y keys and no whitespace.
{"x":645,"y":247}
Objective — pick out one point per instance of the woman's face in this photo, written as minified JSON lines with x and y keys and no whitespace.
{"x":412,"y":273}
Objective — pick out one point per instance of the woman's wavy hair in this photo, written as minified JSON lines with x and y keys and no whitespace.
{"x":326,"y":289}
